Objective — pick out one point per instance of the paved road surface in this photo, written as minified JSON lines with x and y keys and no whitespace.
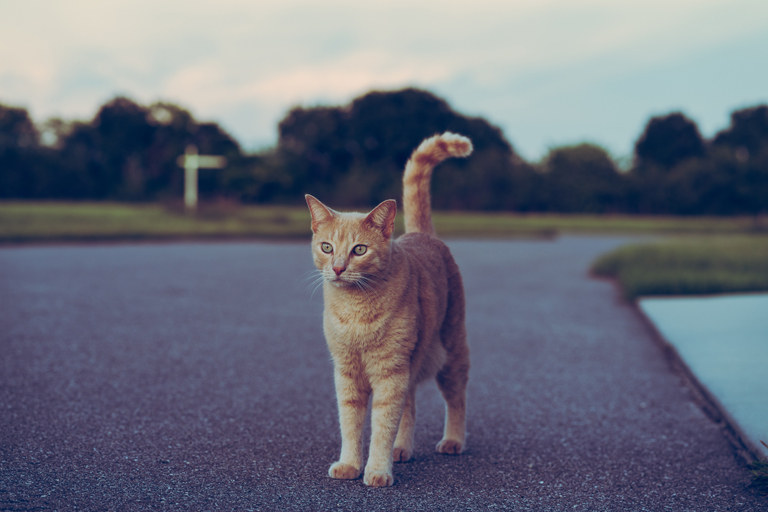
{"x":195,"y":377}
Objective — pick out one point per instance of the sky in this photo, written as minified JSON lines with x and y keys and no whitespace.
{"x":547,"y":72}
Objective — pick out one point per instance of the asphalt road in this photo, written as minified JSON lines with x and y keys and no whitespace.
{"x":194,"y":376}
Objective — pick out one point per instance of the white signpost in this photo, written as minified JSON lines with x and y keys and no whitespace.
{"x":191,"y":161}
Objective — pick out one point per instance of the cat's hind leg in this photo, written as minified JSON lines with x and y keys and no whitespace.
{"x":452,"y":378}
{"x":403,"y":450}
{"x":452,"y":381}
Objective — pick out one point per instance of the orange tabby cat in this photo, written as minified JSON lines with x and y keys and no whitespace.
{"x":394,"y":317}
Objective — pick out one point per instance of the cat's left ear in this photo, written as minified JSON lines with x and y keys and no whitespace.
{"x":382,"y":218}
{"x":320,"y":213}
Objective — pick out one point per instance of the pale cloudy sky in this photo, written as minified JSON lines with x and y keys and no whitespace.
{"x":548,"y":72}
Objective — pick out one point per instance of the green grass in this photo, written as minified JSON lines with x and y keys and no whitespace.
{"x":74,"y":221}
{"x":489,"y":224}
{"x":689,"y":266}
{"x":759,"y":471}
{"x":760,"y":477}
{"x":24,"y":222}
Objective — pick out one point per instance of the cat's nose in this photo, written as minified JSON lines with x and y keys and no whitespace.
{"x":339,"y":265}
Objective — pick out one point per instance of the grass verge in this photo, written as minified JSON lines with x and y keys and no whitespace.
{"x":76,"y":221}
{"x":33,"y":221}
{"x":689,"y":266}
{"x":759,"y":471}
{"x":760,"y":477}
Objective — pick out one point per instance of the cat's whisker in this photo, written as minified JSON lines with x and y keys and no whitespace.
{"x":317,"y":286}
{"x":368,"y":288}
{"x":309,"y":280}
{"x":367,"y":282}
{"x":312,"y":281}
{"x":306,"y":276}
{"x":359,"y":286}
{"x":311,"y":284}
{"x":312,"y":287}
{"x":368,"y":279}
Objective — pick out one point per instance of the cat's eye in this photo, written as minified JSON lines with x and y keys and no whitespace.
{"x":326,"y":247}
{"x":360,"y":250}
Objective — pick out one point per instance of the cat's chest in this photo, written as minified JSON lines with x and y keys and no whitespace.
{"x":361,"y":324}
{"x":356,"y":320}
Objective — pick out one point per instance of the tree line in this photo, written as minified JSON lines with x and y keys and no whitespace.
{"x":353,"y":156}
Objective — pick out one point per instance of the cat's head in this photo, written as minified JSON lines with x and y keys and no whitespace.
{"x":351,"y":249}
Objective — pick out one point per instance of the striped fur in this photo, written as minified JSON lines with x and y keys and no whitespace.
{"x":393,"y":318}
{"x":418,"y":175}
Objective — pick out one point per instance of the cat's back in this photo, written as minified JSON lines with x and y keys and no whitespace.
{"x":428,"y":255}
{"x":436,"y":285}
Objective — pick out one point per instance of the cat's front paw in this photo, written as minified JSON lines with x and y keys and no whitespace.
{"x":378,"y":479}
{"x":343,"y":471}
{"x":450,"y":446}
{"x":401,"y":454}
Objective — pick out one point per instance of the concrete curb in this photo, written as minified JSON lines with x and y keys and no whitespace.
{"x":744,"y":447}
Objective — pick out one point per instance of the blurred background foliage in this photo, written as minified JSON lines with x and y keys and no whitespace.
{"x":353,"y":156}
{"x":689,"y":265}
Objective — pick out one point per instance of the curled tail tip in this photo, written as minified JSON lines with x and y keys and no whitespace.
{"x":456,"y":145}
{"x":437,"y":148}
{"x":418,"y":171}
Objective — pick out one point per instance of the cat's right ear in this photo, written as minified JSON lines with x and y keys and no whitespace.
{"x":320,"y":213}
{"x":382,"y":218}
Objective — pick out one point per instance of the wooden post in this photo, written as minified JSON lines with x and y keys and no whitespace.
{"x":191,"y":161}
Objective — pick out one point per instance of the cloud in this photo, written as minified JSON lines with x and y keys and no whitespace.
{"x":338,"y":80}
{"x":498,"y":58}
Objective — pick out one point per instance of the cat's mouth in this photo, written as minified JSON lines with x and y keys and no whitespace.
{"x":339,"y":281}
{"x":342,"y":280}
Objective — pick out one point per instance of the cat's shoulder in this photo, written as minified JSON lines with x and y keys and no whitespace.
{"x":417,"y":239}
{"x":422,"y":244}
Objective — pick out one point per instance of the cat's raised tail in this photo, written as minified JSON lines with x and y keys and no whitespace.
{"x":418,"y":173}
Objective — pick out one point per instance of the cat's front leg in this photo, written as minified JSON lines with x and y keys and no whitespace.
{"x":388,"y":401}
{"x":353,"y":402}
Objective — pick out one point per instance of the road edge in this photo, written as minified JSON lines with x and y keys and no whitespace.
{"x":703,"y":397}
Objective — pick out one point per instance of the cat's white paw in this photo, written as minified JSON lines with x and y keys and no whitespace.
{"x":378,"y":479}
{"x":401,"y":454}
{"x":450,"y":446}
{"x":343,"y":471}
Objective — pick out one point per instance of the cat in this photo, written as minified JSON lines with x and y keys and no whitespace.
{"x":393,"y":318}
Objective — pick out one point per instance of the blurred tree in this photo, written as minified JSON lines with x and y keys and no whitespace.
{"x":729,"y":177}
{"x":18,"y":140}
{"x":385,"y":128}
{"x":741,"y":150}
{"x":129,"y":152}
{"x":27,"y":168}
{"x":260,"y":178}
{"x":748,"y":134}
{"x":667,"y":141}
{"x":16,"y":128}
{"x":54,"y":131}
{"x":212,"y":139}
{"x":354,"y":156}
{"x":314,"y":148}
{"x":583,"y":178}
{"x":174,"y":128}
{"x":719,"y":185}
{"x":109,"y":153}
